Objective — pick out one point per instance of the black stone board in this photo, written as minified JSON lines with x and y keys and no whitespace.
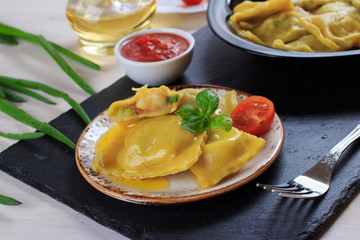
{"x":318,"y":102}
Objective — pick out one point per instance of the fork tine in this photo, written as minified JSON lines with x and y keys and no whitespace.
{"x":306,"y":195}
{"x":286,"y":186}
{"x":295,"y":188}
{"x":296,"y":191}
{"x":269,"y":186}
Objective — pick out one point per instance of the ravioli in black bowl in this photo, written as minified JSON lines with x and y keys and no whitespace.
{"x":218,"y":15}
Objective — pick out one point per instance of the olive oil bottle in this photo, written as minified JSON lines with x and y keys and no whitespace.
{"x":101,"y":23}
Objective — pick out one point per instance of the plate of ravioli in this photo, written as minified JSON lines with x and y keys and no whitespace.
{"x":288,"y":28}
{"x":138,"y":150}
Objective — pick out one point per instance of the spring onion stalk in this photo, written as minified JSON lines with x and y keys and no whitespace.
{"x":2,"y":93}
{"x":22,"y":136}
{"x":11,"y":32}
{"x":8,"y":201}
{"x":50,"y":49}
{"x":51,"y":91}
{"x":11,"y":96}
{"x":8,"y":39}
{"x":23,"y":90}
{"x":21,"y":116}
{"x":64,"y":66}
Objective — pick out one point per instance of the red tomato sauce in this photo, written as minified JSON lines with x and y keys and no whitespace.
{"x":154,"y":47}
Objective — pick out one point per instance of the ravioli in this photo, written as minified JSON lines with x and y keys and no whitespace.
{"x":299,"y":25}
{"x":224,"y":154}
{"x":255,"y":10}
{"x":147,"y":102}
{"x":336,"y":31}
{"x":227,"y":103}
{"x":159,"y":146}
{"x":188,"y":96}
{"x":107,"y":148}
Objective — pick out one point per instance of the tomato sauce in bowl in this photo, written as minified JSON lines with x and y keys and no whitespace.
{"x":155,"y":56}
{"x":154,"y":47}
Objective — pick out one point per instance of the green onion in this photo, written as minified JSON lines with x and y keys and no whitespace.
{"x":25,"y":118}
{"x":50,"y":49}
{"x":120,"y":111}
{"x":75,"y":57}
{"x":8,"y":201}
{"x":8,"y":39}
{"x":11,"y":96}
{"x":23,"y":90}
{"x":51,"y":91}
{"x":63,"y":64}
{"x":22,"y":136}
{"x":11,"y":32}
{"x":2,"y":93}
{"x":128,"y":112}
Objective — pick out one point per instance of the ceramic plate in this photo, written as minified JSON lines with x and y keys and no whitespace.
{"x":182,"y":188}
{"x":177,"y":6}
{"x":217,"y":14}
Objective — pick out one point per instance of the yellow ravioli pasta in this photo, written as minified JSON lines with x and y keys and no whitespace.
{"x":147,"y":102}
{"x":300,"y":25}
{"x":159,"y":146}
{"x":225,"y":153}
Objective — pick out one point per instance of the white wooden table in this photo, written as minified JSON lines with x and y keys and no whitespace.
{"x":39,"y":216}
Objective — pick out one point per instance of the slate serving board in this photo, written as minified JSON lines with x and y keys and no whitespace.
{"x":318,"y":103}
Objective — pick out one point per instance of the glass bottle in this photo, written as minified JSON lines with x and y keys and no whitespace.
{"x":100,"y":24}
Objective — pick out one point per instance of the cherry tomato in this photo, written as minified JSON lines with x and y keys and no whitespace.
{"x":192,"y":2}
{"x":253,"y":115}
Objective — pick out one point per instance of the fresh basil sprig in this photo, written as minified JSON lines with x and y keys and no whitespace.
{"x":198,"y":119}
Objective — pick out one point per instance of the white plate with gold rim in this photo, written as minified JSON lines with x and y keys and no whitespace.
{"x":183,"y":187}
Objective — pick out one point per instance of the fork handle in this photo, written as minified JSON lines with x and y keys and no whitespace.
{"x":335,"y":153}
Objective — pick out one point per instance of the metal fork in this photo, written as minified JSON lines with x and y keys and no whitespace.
{"x":315,"y":182}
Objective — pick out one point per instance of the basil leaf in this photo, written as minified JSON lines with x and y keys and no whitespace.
{"x":8,"y":201}
{"x":195,"y":123}
{"x":187,"y":109}
{"x":172,"y":99}
{"x":222,"y":121}
{"x":207,"y":100}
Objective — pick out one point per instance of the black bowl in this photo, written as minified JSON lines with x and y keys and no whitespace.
{"x":217,"y":14}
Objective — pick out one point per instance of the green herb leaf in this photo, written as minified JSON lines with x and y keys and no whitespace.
{"x":207,"y":100}
{"x":195,"y":123}
{"x":187,"y":109}
{"x":222,"y":121}
{"x":8,"y":201}
{"x":172,"y":99}
{"x":198,"y":121}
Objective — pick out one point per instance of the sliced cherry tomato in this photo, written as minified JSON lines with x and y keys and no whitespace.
{"x":192,"y":2}
{"x":253,"y":115}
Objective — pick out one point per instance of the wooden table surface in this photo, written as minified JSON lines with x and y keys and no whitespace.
{"x":39,"y":216}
